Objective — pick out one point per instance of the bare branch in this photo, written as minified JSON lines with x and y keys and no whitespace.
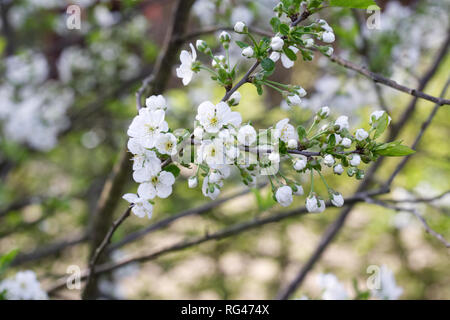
{"x":227,"y":232}
{"x":428,"y":229}
{"x":104,"y":243}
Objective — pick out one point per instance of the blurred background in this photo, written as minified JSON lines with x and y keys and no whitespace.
{"x":68,"y":96}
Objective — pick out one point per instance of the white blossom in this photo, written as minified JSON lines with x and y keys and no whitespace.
{"x":147,"y":126}
{"x":23,"y":286}
{"x":388,"y":287}
{"x":184,"y":71}
{"x":159,"y":185}
{"x":212,"y":152}
{"x":167,"y":144}
{"x":337,"y":200}
{"x":287,"y":63}
{"x":361,"y":134}
{"x":284,"y":196}
{"x":141,"y":206}
{"x":198,"y":133}
{"x":276,"y":43}
{"x":328,"y":160}
{"x":314,"y":204}
{"x":329,"y":51}
{"x":342,"y":122}
{"x":156,"y":103}
{"x":332,"y":289}
{"x":274,"y":157}
{"x":247,"y":135}
{"x":285,"y":131}
{"x":355,"y":160}
{"x":214,"y":117}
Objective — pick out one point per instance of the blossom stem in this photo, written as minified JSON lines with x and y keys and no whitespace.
{"x":324,"y":181}
{"x":209,"y":70}
{"x":271,"y":86}
{"x":312,"y":181}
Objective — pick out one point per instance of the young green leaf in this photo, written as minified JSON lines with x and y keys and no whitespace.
{"x":355,"y":4}
{"x":173,"y":169}
{"x":381,"y":124}
{"x":241,"y":44}
{"x":267,"y":64}
{"x":290,"y":54}
{"x":396,"y":151}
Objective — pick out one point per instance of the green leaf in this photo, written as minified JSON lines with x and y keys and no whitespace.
{"x":355,"y":4}
{"x":267,"y":64}
{"x":6,"y":259}
{"x":301,"y":133}
{"x":282,"y":147}
{"x":290,"y":54}
{"x":331,"y":140}
{"x":242,"y":45}
{"x":173,"y":169}
{"x":275,"y":23}
{"x":396,"y":151}
{"x":284,"y":29}
{"x":381,"y":124}
{"x":259,"y":89}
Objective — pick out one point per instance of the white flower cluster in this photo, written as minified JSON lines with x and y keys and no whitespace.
{"x":23,"y":286}
{"x":149,"y":140}
{"x":220,"y":141}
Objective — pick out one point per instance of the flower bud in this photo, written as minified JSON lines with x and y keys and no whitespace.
{"x":338,"y":169}
{"x":346,"y":142}
{"x":328,"y":37}
{"x":225,"y":37}
{"x":240,"y":27}
{"x":248,"y":52}
{"x":328,"y":160}
{"x":324,"y":112}
{"x":361,"y":134}
{"x":193,"y":182}
{"x":234,"y":99}
{"x":202,"y":46}
{"x":292,"y":144}
{"x":276,"y":43}
{"x":337,"y":200}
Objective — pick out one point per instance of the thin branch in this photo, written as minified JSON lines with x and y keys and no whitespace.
{"x":169,"y":220}
{"x":105,"y":242}
{"x":48,"y":250}
{"x":227,"y":232}
{"x":388,"y":82}
{"x":428,"y":229}
{"x":423,"y":128}
{"x":419,"y":200}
